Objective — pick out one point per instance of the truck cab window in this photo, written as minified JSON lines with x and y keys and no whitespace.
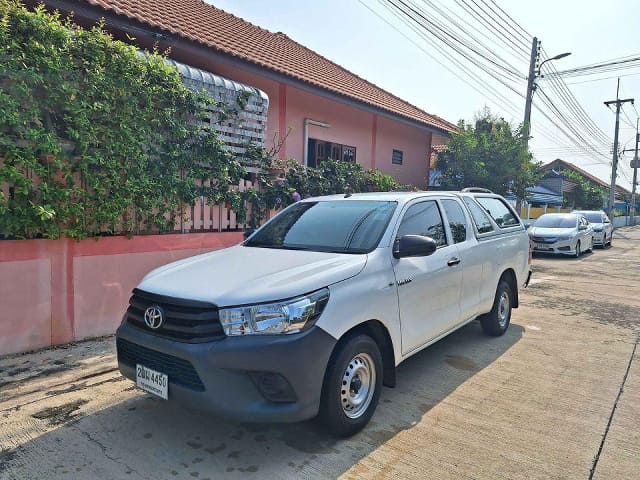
{"x":498,"y":211}
{"x":423,"y":219}
{"x":479,"y":216}
{"x":457,"y":220}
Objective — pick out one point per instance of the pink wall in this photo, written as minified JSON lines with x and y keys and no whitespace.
{"x":373,"y":135}
{"x":57,"y":291}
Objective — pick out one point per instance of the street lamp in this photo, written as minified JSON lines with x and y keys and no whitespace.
{"x":557,"y":57}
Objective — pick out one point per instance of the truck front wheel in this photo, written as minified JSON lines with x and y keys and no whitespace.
{"x":496,"y":322}
{"x":352,"y":386}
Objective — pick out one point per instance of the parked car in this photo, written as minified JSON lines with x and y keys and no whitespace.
{"x":602,"y":226}
{"x":313,"y":312}
{"x":564,"y":233}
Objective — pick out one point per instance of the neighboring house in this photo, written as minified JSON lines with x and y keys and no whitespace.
{"x":558,"y":165}
{"x":317,"y":109}
{"x":555,"y":187}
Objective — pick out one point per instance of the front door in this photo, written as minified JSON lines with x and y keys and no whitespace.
{"x":428,"y":287}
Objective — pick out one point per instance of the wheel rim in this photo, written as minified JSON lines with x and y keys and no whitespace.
{"x":503,"y":309}
{"x":358,"y":385}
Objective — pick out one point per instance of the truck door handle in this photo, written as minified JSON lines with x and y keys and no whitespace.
{"x":453,"y":261}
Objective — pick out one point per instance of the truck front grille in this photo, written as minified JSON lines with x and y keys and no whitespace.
{"x":179,"y":371}
{"x":182,"y":320}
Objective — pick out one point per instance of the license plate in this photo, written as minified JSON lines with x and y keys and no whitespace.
{"x":540,"y":246}
{"x":151,"y":381}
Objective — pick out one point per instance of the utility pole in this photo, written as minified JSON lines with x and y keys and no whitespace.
{"x":614,"y":167}
{"x":531,"y":87}
{"x":635,"y":164}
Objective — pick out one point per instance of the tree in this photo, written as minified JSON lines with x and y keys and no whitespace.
{"x":488,"y":154}
{"x":586,"y":195}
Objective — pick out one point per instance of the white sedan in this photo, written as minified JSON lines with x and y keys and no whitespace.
{"x":602,"y":226}
{"x":563,"y":233}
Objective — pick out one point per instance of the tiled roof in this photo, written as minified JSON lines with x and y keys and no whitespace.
{"x":215,"y":28}
{"x":559,"y":164}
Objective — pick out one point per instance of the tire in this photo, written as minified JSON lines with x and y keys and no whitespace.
{"x":604,"y":241}
{"x":577,"y":254}
{"x":356,"y":363}
{"x":591,"y":246}
{"x":496,"y":322}
{"x":611,"y":240}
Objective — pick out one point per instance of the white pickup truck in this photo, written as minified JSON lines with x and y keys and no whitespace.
{"x":312,"y":313}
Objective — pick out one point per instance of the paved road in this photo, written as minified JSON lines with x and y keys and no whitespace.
{"x":556,"y":397}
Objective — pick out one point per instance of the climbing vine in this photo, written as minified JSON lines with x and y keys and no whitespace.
{"x":97,"y":139}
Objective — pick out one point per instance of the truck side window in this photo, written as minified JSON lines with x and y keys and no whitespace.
{"x":498,"y":211}
{"x":479,"y":216}
{"x":457,"y":220}
{"x":423,"y":219}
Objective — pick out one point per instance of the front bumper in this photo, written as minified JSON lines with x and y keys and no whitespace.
{"x":228,"y":372}
{"x":598,"y":237}
{"x":564,"y":247}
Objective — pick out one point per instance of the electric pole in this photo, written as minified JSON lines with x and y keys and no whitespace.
{"x":531,"y":86}
{"x":535,"y":71}
{"x":614,"y":167}
{"x":635,"y":163}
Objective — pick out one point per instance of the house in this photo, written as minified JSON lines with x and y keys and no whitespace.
{"x":556,"y":189}
{"x":316,"y":108}
{"x":565,"y":185}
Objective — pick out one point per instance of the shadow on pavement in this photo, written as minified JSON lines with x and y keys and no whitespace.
{"x":147,"y":438}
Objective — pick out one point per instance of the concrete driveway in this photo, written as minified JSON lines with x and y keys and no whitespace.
{"x":557,"y":397}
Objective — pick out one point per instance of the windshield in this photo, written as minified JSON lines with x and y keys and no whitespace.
{"x":556,"y":221}
{"x":593,"y":217}
{"x":342,"y":226}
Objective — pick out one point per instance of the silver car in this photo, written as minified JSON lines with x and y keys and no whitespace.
{"x":602,"y":226}
{"x":563,"y":233}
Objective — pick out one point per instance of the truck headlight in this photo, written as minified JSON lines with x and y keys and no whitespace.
{"x":287,"y":316}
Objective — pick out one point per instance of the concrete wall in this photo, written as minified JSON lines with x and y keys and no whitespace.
{"x":57,"y":291}
{"x":623,"y":221}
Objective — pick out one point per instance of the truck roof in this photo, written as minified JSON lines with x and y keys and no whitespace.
{"x":394,"y":196}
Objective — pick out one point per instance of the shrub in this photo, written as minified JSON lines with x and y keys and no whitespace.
{"x":94,"y":137}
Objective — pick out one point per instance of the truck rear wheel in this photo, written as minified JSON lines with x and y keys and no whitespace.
{"x":352,"y":386}
{"x":496,"y":322}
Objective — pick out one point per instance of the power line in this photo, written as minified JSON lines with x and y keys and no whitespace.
{"x":482,"y":88}
{"x":444,"y":33}
{"x":601,"y":67}
{"x":603,"y":78}
{"x":516,"y":43}
{"x":574,"y":106}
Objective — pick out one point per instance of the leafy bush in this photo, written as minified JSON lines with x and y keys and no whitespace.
{"x":97,"y":139}
{"x":94,"y":137}
{"x":293,"y":181}
{"x":586,"y":195}
{"x":489,"y":154}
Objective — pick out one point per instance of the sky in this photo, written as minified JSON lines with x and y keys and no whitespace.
{"x":357,"y":35}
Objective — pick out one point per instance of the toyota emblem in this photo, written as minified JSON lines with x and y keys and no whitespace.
{"x":153,"y":317}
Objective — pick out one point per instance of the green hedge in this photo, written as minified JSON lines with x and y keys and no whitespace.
{"x":97,"y":139}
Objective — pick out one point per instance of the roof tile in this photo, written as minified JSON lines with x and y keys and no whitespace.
{"x":234,"y":36}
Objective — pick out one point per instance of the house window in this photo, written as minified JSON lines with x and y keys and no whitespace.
{"x":396,"y":157}
{"x":320,"y":150}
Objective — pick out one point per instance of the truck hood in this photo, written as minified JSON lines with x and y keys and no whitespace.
{"x":242,"y":275}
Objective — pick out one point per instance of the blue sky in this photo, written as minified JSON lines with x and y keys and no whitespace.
{"x":350,"y":34}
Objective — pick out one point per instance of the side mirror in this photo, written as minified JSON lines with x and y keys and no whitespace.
{"x":248,"y":233}
{"x":606,"y":220}
{"x":582,"y":227}
{"x":414,"y":246}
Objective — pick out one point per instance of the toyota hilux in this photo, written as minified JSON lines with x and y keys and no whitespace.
{"x":311,"y":314}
